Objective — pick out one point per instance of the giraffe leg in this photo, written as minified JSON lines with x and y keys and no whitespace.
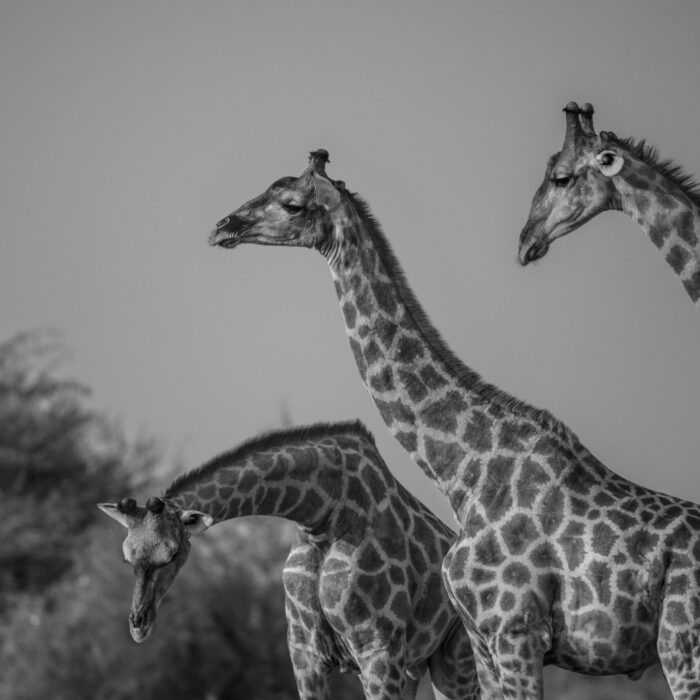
{"x":384,"y":677}
{"x":311,"y":673}
{"x":452,"y":668}
{"x":678,"y":653}
{"x":519,"y":657}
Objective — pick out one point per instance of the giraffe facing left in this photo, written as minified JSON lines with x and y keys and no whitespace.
{"x":363,"y":587}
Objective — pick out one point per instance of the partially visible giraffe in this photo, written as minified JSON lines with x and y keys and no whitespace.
{"x":559,"y":560}
{"x":595,"y":172}
{"x":363,"y":584}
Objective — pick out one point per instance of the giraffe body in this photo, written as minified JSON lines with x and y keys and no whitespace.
{"x":559,"y":560}
{"x":363,"y":587}
{"x":597,"y":172}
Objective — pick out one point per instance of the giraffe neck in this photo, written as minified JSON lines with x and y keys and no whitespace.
{"x":670,"y":218}
{"x":426,"y":396}
{"x":298,"y":475}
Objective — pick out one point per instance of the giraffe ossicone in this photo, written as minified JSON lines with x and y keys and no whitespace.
{"x":559,"y":560}
{"x":597,"y":172}
{"x":363,"y":585}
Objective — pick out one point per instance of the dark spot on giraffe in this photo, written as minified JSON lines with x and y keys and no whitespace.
{"x":599,"y":576}
{"x":577,"y":480}
{"x":359,"y":358}
{"x":393,"y":536}
{"x":552,"y":510}
{"x":507,"y":601}
{"x":418,"y":559}
{"x":622,"y":520}
{"x":401,"y":605}
{"x":444,"y":457}
{"x":478,"y":434}
{"x":442,"y":414}
{"x":547,"y":446}
{"x":641,"y":203}
{"x":431,"y":601}
{"x":225,"y":492}
{"x":364,"y":303}
{"x":466,"y":599}
{"x":675,"y":614}
{"x":581,"y":595}
{"x":514,"y":434}
{"x":544,"y":556}
{"x":397,"y":575}
{"x":571,"y":541}
{"x":384,"y":294}
{"x":667,"y":202}
{"x":392,"y":411}
{"x":383,"y":381}
{"x":602,"y":499}
{"x":370,"y":560}
{"x":677,"y":258}
{"x":356,"y":610}
{"x":686,"y":229}
{"x":385,"y":330}
{"x":527,"y":488}
{"x":638,"y":182}
{"x":423,"y":534}
{"x":473,"y":524}
{"x":407,"y":440}
{"x":480,"y":575}
{"x":338,"y":289}
{"x":433,"y":380}
{"x":604,"y":537}
{"x":692,"y":286}
{"x":414,"y":386}
{"x":593,"y":514}
{"x":516,"y":575}
{"x":488,"y":551}
{"x":518,"y":533}
{"x":488,"y":597}
{"x":350,"y":314}
{"x":311,"y":502}
{"x":408,"y":349}
{"x":372,"y":352}
{"x":335,"y":584}
{"x":623,"y":610}
{"x":363,"y":331}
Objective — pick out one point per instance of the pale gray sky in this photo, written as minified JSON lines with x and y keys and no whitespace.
{"x":129,"y":128}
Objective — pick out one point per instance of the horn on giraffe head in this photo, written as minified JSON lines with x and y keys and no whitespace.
{"x":318,"y":160}
{"x":573,"y":126}
{"x":327,"y":190}
{"x":128,"y":506}
{"x":155,"y":505}
{"x":586,"y":118}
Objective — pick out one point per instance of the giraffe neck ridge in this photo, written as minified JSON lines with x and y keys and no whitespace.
{"x":297,"y":474}
{"x":665,"y":202}
{"x":418,"y":384}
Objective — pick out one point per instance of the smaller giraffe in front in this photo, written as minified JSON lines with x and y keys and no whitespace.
{"x":362,"y":582}
{"x":596,"y":172}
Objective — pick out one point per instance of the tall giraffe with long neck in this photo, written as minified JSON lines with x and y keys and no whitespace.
{"x":559,"y":560}
{"x":596,"y":172}
{"x":362,"y":583}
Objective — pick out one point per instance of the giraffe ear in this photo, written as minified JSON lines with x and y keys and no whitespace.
{"x":609,"y":162}
{"x":112,"y":509}
{"x":326,"y":194}
{"x":195,"y":522}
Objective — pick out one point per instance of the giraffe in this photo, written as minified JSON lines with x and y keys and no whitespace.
{"x":559,"y":560}
{"x":595,"y":172}
{"x":363,"y":588}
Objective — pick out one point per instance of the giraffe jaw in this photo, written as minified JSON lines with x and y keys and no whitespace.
{"x":226,"y":239}
{"x":141,"y":632}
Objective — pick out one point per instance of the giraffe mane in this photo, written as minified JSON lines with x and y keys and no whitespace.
{"x":267,"y":441}
{"x":677,"y":174}
{"x":465,"y":375}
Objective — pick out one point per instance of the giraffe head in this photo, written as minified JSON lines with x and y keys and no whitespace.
{"x":578,"y":184}
{"x":156,"y":545}
{"x":293,"y":211}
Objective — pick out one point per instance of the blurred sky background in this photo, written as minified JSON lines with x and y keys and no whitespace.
{"x":128,"y":129}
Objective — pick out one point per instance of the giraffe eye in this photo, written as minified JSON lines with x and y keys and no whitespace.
{"x":292,"y":208}
{"x":562,"y":181}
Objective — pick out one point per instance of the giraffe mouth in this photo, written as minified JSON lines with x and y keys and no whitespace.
{"x":141,"y":625}
{"x":226,"y":239}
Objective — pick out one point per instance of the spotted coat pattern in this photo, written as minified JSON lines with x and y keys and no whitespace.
{"x":559,"y":560}
{"x":363,"y":584}
{"x":658,"y":195}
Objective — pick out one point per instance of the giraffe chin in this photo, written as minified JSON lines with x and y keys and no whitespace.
{"x":534,"y":252}
{"x":142,"y":633}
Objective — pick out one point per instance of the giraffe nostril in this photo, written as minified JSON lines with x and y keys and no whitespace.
{"x":223,"y":222}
